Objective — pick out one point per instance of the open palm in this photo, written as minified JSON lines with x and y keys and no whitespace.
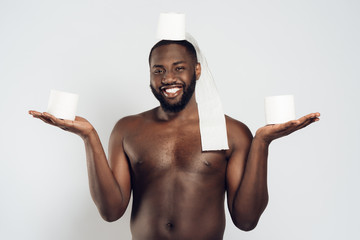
{"x":79,"y":126}
{"x":273,"y":131}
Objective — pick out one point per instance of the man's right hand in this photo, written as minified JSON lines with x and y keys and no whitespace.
{"x":79,"y":126}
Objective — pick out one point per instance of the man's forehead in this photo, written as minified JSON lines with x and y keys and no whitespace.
{"x":173,"y":52}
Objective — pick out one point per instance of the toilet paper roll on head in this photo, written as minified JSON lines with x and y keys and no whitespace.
{"x":171,"y":26}
{"x":63,"y":104}
{"x":279,"y":109}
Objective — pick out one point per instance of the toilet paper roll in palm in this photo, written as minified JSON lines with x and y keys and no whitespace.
{"x":63,"y":104}
{"x":279,"y":109}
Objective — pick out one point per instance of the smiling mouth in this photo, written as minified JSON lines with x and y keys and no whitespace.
{"x":171,"y":91}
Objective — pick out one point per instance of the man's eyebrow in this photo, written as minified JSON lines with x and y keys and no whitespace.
{"x":179,"y":62}
{"x":158,"y":66}
{"x":162,"y":66}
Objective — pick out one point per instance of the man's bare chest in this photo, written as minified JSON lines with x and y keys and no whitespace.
{"x":159,"y":148}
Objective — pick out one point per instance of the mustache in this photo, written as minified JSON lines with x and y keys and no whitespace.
{"x":168,"y":85}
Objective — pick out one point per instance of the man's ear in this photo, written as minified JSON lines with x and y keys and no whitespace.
{"x":198,"y":71}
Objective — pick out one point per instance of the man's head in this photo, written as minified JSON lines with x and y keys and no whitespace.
{"x":173,"y":73}
{"x":189,"y":47}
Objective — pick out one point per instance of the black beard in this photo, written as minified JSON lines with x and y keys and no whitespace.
{"x":176,"y":107}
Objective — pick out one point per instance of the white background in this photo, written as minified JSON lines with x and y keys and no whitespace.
{"x":99,"y":49}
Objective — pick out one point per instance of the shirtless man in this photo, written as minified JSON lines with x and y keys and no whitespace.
{"x":178,"y":190}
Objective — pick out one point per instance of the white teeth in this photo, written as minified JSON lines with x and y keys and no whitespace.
{"x":172,"y":90}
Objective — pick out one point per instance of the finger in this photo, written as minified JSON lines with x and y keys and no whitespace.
{"x":41,"y":117}
{"x":294,"y":125}
{"x":31,"y":112}
{"x":288,"y":126}
{"x":309,"y":116}
{"x":35,"y":113}
{"x":307,"y":123}
{"x":61,"y":123}
{"x":305,"y":118}
{"x":301,"y":120}
{"x":52,"y":118}
{"x":317,"y":114}
{"x":308,"y":119}
{"x":314,"y":115}
{"x":46,"y":120}
{"x":78,"y":118}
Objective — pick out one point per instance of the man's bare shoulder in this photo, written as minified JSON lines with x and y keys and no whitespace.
{"x":131,"y":122}
{"x":238,"y":133}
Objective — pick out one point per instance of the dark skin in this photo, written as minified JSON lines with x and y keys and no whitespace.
{"x":178,"y":190}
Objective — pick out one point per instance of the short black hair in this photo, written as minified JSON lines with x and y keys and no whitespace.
{"x":189,"y":47}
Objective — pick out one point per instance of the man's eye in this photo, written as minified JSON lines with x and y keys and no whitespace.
{"x":179,"y":68}
{"x":158,"y":71}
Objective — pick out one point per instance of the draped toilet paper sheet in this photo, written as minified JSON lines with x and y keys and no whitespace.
{"x":63,"y":104}
{"x":279,"y":109}
{"x":212,"y":123}
{"x":211,"y":115}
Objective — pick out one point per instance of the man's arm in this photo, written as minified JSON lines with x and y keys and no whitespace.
{"x":110,"y":188}
{"x":247,"y":169}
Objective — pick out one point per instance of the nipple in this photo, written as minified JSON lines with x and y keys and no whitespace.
{"x":207,"y":163}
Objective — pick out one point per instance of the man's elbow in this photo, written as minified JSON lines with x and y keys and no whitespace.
{"x":246,"y":226}
{"x":248,"y":220}
{"x":112,"y":216}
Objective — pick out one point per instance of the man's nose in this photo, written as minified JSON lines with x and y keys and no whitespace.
{"x":168,"y":78}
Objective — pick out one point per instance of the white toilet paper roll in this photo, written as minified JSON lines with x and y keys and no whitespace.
{"x":63,"y":104}
{"x":279,"y":109}
{"x":171,"y":26}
